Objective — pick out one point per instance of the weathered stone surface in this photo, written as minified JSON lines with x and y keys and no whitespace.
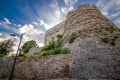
{"x":37,"y":68}
{"x":53,"y":32}
{"x":34,"y":50}
{"x":96,"y":51}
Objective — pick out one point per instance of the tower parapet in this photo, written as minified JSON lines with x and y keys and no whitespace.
{"x":82,"y":8}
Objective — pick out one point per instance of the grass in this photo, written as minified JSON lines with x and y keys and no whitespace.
{"x":54,"y":47}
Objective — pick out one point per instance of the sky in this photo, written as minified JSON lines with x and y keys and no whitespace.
{"x":34,"y":17}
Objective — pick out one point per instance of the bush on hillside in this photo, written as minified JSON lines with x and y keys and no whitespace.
{"x":72,"y":37}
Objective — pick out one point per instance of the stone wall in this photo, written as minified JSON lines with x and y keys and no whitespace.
{"x":34,"y":50}
{"x":85,"y":17}
{"x":93,"y":58}
{"x":37,"y":68}
{"x":96,"y":50}
{"x":53,"y":32}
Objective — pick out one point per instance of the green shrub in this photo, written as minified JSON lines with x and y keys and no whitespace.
{"x":48,"y":52}
{"x":59,"y":36}
{"x":58,"y":43}
{"x":65,"y":51}
{"x":72,"y":37}
{"x":37,"y":54}
{"x":45,"y":48}
{"x":111,"y":28}
{"x":105,"y":39}
{"x":26,"y":46}
{"x":2,"y":55}
{"x":57,"y":50}
{"x":51,"y":45}
{"x":22,"y":55}
{"x":113,"y":40}
{"x":54,"y":47}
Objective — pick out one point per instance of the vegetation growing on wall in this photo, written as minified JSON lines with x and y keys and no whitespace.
{"x":29,"y":44}
{"x":5,"y":47}
{"x":109,"y":40}
{"x":72,"y":37}
{"x":54,"y":47}
{"x":105,"y":39}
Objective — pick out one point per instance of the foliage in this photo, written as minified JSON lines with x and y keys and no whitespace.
{"x":54,"y":47}
{"x":51,"y":45}
{"x":2,"y":55}
{"x":65,"y":50}
{"x":58,"y":43}
{"x":52,"y":51}
{"x":59,"y":36}
{"x":72,"y":37}
{"x":111,"y":28}
{"x":113,"y":40}
{"x":5,"y":47}
{"x":105,"y":39}
{"x":58,"y":50}
{"x":48,"y":52}
{"x":109,"y":40}
{"x":22,"y":54}
{"x":28,"y":45}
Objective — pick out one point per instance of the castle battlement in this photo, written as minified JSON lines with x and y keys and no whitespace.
{"x":82,"y":8}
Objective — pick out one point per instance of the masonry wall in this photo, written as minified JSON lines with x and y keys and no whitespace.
{"x":84,"y":18}
{"x":53,"y":32}
{"x":92,"y":57}
{"x":37,"y":68}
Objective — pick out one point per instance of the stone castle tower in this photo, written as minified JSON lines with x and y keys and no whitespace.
{"x":83,"y":18}
{"x":96,"y":49}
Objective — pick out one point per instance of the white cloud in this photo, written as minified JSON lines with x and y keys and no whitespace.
{"x":100,"y":3}
{"x":70,"y":4}
{"x":48,"y":26}
{"x":0,"y":34}
{"x":117,"y":21}
{"x":44,"y":24}
{"x":35,"y":23}
{"x":56,"y":9}
{"x":110,"y":9}
{"x":57,"y":13}
{"x":114,"y":15}
{"x":64,"y":10}
{"x":71,"y":8}
{"x":105,"y":13}
{"x":7,"y":21}
{"x":30,"y":33}
{"x":108,"y":5}
{"x":19,"y":25}
{"x":15,"y":40}
{"x":7,"y":25}
{"x":4,"y":37}
{"x":54,"y":17}
{"x":66,"y":2}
